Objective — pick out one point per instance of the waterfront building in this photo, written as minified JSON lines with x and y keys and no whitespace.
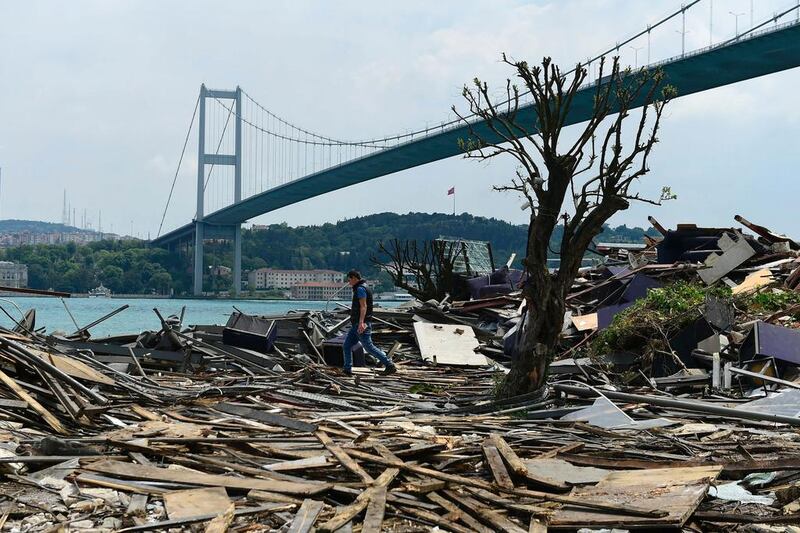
{"x":23,"y":238}
{"x":317,"y":290}
{"x":221,"y":271}
{"x":13,"y":274}
{"x":271,"y":278}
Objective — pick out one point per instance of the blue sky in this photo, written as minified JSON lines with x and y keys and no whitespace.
{"x":96,"y":96}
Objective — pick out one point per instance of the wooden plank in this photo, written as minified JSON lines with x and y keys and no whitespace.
{"x":516,"y":464}
{"x":268,"y":418}
{"x":373,"y":519}
{"x":341,"y":456}
{"x":537,"y":526}
{"x":676,"y":491}
{"x":448,"y":344}
{"x":299,"y":464}
{"x":496,"y":466}
{"x":623,"y":463}
{"x":497,"y":520}
{"x":120,"y":484}
{"x":130,"y":470}
{"x":519,"y":467}
{"x":55,"y":458}
{"x":481,"y":484}
{"x":168,"y":524}
{"x":347,"y":513}
{"x":140,"y":458}
{"x":13,"y":404}
{"x":575,"y":446}
{"x":145,"y":413}
{"x":221,"y":522}
{"x":444,"y":523}
{"x":562,"y":471}
{"x":454,"y":509}
{"x":306,"y":516}
{"x":137,"y":506}
{"x":274,"y":497}
{"x":76,"y":369}
{"x":51,"y":420}
{"x":424,"y":486}
{"x":185,"y":503}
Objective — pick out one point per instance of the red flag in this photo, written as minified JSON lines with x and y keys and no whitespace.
{"x":451,"y":190}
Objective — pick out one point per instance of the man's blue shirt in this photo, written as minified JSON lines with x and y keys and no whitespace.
{"x":361,"y":292}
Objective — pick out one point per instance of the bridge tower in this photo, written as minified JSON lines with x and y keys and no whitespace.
{"x":202,"y":230}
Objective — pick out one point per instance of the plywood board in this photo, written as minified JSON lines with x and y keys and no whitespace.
{"x":78,"y":369}
{"x":585,"y":322}
{"x":448,"y":344}
{"x":564,"y":472}
{"x":754,"y":281}
{"x":194,"y":502}
{"x":134,"y":471}
{"x":677,"y":491}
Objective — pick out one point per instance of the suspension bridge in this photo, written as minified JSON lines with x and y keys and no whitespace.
{"x":272,"y":163}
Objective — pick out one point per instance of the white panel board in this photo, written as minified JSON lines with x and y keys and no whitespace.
{"x":448,"y":344}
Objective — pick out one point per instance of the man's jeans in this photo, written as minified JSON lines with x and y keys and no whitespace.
{"x":365,"y":339}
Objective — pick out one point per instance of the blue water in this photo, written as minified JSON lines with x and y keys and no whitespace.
{"x":139,"y":316}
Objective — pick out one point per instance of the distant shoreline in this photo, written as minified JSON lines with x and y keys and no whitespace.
{"x":186,"y":297}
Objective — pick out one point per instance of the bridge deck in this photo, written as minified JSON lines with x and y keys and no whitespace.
{"x":757,"y":55}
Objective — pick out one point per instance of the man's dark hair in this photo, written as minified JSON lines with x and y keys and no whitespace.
{"x":354,"y":274}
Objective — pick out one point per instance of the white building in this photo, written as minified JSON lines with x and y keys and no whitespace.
{"x":317,"y":290}
{"x":270,"y":278}
{"x":13,"y":274}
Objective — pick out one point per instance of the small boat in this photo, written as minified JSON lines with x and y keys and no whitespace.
{"x":100,"y":292}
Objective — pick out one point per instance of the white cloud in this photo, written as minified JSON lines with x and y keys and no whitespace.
{"x":97,"y":96}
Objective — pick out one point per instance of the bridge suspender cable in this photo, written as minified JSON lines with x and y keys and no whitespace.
{"x":177,"y":170}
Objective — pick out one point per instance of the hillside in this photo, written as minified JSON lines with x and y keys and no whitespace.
{"x":36,"y":226}
{"x":131,"y":267}
{"x":352,"y":242}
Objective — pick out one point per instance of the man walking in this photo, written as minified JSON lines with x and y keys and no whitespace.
{"x":361,"y":326}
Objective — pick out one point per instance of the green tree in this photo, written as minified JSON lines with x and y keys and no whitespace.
{"x":113,"y":278}
{"x":161,"y":282}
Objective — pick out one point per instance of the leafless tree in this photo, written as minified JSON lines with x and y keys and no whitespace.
{"x":424,"y":269}
{"x":580,"y":183}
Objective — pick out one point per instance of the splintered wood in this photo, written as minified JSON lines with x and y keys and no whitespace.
{"x":214,"y":437}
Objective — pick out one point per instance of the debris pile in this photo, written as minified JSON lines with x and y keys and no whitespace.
{"x":674,"y":405}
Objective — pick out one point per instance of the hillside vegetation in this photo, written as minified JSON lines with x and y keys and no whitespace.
{"x":132,"y":267}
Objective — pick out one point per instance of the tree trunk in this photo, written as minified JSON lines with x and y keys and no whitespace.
{"x":537,"y":338}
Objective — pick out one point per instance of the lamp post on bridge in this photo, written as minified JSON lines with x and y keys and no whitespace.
{"x":736,"y":17}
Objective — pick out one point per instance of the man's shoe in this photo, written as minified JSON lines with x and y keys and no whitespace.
{"x":389,"y":370}
{"x":347,"y":372}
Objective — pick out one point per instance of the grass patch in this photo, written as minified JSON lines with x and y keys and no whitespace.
{"x":645,"y":326}
{"x":423,"y":388}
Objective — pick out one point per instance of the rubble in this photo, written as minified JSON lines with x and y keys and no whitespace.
{"x":674,"y":405}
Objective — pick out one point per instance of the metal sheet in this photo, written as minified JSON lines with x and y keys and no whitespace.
{"x":767,"y":340}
